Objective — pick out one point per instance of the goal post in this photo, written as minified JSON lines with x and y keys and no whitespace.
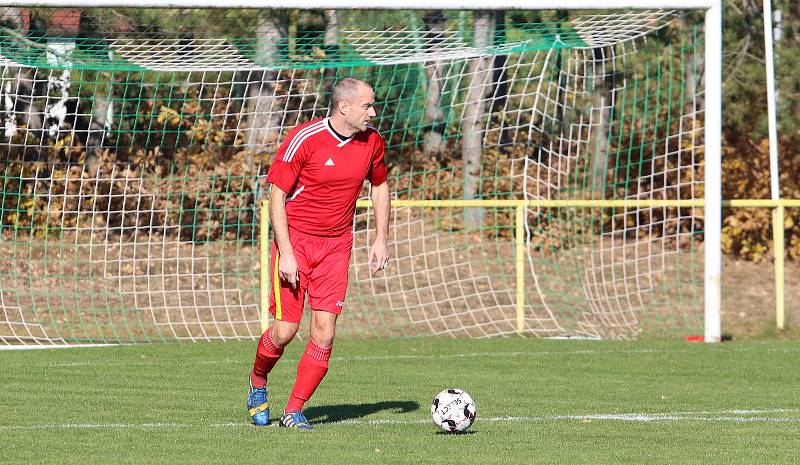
{"x":556,"y":166}
{"x":713,"y":188}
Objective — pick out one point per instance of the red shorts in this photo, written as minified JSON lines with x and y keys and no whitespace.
{"x":323,"y":263}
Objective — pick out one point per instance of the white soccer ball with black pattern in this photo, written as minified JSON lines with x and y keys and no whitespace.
{"x":453,"y":410}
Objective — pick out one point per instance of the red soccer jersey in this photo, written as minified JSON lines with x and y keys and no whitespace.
{"x":322,"y":176}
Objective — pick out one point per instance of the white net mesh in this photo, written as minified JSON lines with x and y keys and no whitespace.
{"x":131,"y":174}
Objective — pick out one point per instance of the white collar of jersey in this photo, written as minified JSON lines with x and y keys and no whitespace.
{"x":329,"y":127}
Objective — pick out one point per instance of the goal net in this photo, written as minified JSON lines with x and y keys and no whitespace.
{"x":135,"y":141}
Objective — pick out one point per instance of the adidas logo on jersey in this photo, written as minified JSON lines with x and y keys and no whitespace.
{"x":329,"y":162}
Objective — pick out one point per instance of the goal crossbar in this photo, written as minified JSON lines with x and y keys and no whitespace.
{"x":383,"y":5}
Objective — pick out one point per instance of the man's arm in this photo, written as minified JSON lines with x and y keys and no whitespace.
{"x":287,"y":264}
{"x":379,"y":252}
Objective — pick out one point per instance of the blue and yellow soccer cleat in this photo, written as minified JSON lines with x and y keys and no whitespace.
{"x":258,"y":406}
{"x":295,"y":420}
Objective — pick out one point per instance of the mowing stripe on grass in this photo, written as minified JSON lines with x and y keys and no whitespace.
{"x":370,"y":358}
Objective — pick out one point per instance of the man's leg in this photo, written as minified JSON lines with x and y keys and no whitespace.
{"x":286,"y":305}
{"x":270,"y":349}
{"x":327,"y":287}
{"x":314,"y":363}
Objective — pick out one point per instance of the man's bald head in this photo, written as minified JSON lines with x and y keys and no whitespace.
{"x":345,"y":90}
{"x":352,"y":106}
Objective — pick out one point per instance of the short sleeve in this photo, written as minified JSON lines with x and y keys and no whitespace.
{"x":377,"y":172}
{"x":285,"y":168}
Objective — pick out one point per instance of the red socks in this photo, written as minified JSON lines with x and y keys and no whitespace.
{"x":310,"y":371}
{"x":267,"y":356}
{"x":312,"y":368}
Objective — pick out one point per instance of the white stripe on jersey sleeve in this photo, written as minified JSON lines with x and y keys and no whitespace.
{"x":296,"y":139}
{"x":289,"y":155}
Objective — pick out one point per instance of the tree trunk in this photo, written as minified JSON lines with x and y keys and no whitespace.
{"x":64,"y":26}
{"x":602,"y":107}
{"x":563,"y":17}
{"x":433,"y":138}
{"x":263,"y":107}
{"x":331,"y":44}
{"x":100,"y":127}
{"x":474,"y":116}
{"x":694,"y":77}
{"x":784,"y":45}
{"x":499,"y":93}
{"x":101,"y":105}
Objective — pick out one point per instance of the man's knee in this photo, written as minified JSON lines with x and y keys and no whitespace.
{"x":283,"y":333}
{"x":323,"y":339}
{"x":323,"y":329}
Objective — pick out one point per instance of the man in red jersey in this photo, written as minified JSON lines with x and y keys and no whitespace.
{"x":316,"y":178}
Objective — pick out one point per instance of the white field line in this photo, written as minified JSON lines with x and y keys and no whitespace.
{"x":409,"y":357}
{"x":54,"y":346}
{"x":732,"y":416}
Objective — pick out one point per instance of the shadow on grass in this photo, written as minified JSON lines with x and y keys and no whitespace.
{"x":462,"y":433}
{"x":334,"y":413}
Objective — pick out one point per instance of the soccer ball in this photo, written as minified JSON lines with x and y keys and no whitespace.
{"x":453,"y":410}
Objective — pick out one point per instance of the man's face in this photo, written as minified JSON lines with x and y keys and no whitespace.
{"x":360,"y":110}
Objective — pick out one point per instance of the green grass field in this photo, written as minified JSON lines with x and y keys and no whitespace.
{"x":570,"y":402}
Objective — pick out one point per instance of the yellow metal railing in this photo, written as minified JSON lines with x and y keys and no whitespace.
{"x":519,"y":236}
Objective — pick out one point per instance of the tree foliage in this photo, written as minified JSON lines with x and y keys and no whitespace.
{"x":746,"y":171}
{"x":169,"y":115}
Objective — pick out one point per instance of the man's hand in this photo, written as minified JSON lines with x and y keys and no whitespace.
{"x":287,"y":269}
{"x":378,"y":255}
